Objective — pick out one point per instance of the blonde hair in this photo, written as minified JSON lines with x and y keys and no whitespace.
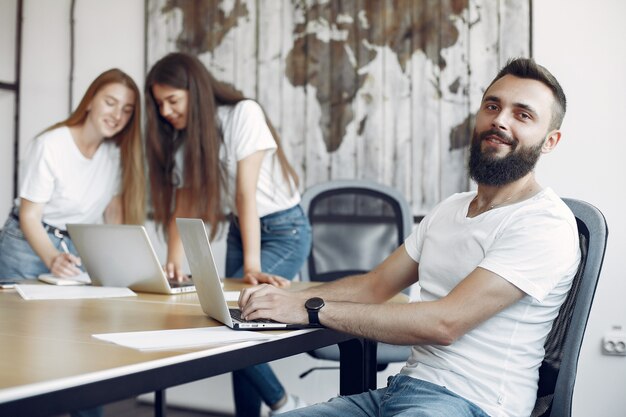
{"x":128,"y":140}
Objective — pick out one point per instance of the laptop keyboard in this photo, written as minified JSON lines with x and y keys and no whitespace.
{"x":235,"y":314}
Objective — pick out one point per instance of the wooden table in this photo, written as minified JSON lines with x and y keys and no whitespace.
{"x":50,"y":363}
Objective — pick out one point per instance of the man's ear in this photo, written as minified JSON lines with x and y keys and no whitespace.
{"x":552,"y":139}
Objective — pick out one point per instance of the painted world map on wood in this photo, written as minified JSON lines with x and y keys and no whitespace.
{"x":380,"y":90}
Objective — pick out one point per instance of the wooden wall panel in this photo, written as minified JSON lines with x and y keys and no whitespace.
{"x":376,"y":89}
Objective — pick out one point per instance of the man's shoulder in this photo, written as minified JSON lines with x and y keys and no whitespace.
{"x":547,"y":202}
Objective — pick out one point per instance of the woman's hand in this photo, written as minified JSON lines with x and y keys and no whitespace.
{"x":255,"y":278}
{"x":65,"y":265}
{"x":174,"y":272}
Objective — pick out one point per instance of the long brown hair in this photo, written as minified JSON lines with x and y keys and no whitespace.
{"x":203,"y":174}
{"x":128,"y":140}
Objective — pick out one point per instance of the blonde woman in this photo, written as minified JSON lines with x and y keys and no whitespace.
{"x":86,"y":169}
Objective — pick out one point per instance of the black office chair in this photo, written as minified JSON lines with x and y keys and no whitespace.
{"x":557,"y":373}
{"x":356,"y":224}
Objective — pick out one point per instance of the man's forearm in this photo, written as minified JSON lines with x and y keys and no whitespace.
{"x":400,"y":324}
{"x":355,"y":288}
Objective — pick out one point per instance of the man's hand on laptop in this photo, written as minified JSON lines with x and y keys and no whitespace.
{"x":255,"y":278}
{"x":268,"y":302}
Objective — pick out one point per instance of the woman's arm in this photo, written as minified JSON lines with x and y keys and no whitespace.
{"x":114,"y":214}
{"x":248,"y":170}
{"x":59,"y":263}
{"x":175,"y":251}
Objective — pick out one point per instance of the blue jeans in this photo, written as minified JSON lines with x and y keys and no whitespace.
{"x":404,"y":396}
{"x":285,"y":244}
{"x":17,"y":258}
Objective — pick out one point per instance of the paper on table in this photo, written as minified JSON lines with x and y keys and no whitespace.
{"x":231,"y":295}
{"x":182,"y":338}
{"x":53,"y":292}
{"x":80,"y":279}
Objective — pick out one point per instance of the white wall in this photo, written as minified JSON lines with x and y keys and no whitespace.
{"x":581,"y":42}
{"x":8,"y":28}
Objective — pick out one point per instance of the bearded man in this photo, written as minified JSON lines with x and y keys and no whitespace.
{"x":494,"y":266}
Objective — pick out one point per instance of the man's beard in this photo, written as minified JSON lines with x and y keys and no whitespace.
{"x":486,"y":169}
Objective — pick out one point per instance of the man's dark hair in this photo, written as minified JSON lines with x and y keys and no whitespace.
{"x":528,"y":68}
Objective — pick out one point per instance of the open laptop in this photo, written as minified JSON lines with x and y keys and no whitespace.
{"x":208,"y":284}
{"x":122,"y":256}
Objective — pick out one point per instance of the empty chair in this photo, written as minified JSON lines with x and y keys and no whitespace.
{"x":356,"y":224}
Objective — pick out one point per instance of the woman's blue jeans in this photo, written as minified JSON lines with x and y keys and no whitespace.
{"x":17,"y":258}
{"x":285,"y":244}
{"x":404,"y":396}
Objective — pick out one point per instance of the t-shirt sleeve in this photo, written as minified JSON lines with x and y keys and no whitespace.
{"x":534,"y":252}
{"x":249,"y":130}
{"x":38,"y":182}
{"x":415,"y":242}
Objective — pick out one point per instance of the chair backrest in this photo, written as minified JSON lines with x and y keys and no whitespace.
{"x":355,"y":224}
{"x":557,"y":374}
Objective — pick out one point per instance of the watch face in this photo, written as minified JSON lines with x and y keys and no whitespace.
{"x":314,"y":303}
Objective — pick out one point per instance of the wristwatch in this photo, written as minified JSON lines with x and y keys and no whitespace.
{"x":313,"y":307}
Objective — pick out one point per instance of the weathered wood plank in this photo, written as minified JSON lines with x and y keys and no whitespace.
{"x":293,"y":96}
{"x":269,"y":65}
{"x":345,"y":85}
{"x":317,"y":32}
{"x":514,"y":20}
{"x":454,"y":104}
{"x":245,"y":53}
{"x":425,"y":107}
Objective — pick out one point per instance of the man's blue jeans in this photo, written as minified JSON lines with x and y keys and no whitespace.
{"x":285,"y":244}
{"x":404,"y":396}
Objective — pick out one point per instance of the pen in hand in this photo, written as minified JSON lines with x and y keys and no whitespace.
{"x":64,"y":247}
{"x":73,"y":260}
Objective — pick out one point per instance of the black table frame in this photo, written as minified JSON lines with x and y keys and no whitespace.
{"x":357,"y":374}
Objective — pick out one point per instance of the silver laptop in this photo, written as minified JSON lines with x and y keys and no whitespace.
{"x":208,"y":284}
{"x":122,"y":256}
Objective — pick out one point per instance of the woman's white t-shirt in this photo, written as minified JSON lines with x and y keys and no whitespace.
{"x":245,"y":131}
{"x":533,"y":245}
{"x":73,"y":188}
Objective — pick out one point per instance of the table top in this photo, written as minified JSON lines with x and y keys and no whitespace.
{"x":47,"y":345}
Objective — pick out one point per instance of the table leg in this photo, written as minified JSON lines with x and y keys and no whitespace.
{"x":357,"y":366}
{"x":159,"y":403}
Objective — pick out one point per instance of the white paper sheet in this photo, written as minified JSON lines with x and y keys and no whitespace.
{"x":80,"y":279}
{"x":54,"y":292}
{"x":182,"y":338}
{"x":231,"y":295}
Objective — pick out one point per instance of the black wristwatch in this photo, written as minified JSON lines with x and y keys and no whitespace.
{"x":313,"y":307}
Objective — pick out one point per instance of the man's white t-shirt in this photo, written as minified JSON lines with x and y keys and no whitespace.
{"x":533,"y":245}
{"x":73,"y":188}
{"x":245,"y":132}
